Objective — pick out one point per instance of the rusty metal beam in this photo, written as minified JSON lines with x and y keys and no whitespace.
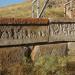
{"x":23,"y":21}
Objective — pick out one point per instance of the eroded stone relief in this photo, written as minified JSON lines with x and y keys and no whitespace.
{"x":62,"y":29}
{"x":23,"y":34}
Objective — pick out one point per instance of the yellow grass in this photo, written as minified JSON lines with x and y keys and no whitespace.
{"x":55,"y":12}
{"x":18,"y":10}
{"x":25,"y":10}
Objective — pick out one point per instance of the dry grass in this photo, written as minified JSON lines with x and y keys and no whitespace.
{"x":55,"y":12}
{"x":44,"y":65}
{"x":25,"y":10}
{"x":19,"y":10}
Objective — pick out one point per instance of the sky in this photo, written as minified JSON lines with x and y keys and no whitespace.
{"x":4,"y":3}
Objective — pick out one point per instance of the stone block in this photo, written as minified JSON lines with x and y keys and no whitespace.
{"x":62,"y":31}
{"x":17,"y":35}
{"x":11,"y":60}
{"x":71,"y":45}
{"x":11,"y":56}
{"x":71,"y":48}
{"x":15,"y":69}
{"x":49,"y":49}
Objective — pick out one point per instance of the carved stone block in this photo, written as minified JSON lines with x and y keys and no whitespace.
{"x":62,"y":32}
{"x":16,"y":35}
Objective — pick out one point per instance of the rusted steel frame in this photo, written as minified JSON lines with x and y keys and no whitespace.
{"x":23,"y":21}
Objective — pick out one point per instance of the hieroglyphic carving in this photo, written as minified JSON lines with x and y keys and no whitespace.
{"x":62,"y":32}
{"x":66,"y":29}
{"x":12,"y":35}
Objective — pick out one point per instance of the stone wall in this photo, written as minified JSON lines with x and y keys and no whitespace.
{"x":35,"y":31}
{"x":50,"y":38}
{"x":11,"y":59}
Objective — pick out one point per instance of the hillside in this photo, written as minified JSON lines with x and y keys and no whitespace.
{"x":16,"y":10}
{"x":24,"y":10}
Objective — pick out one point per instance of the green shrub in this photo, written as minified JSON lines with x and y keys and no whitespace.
{"x":47,"y":65}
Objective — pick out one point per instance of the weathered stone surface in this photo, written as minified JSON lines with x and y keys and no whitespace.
{"x":16,"y":35}
{"x":71,"y":45}
{"x":31,"y":31}
{"x":15,"y":69}
{"x":62,"y":31}
{"x":35,"y":53}
{"x":12,"y":60}
{"x":11,"y":56}
{"x":50,"y":49}
{"x":71,"y":48}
